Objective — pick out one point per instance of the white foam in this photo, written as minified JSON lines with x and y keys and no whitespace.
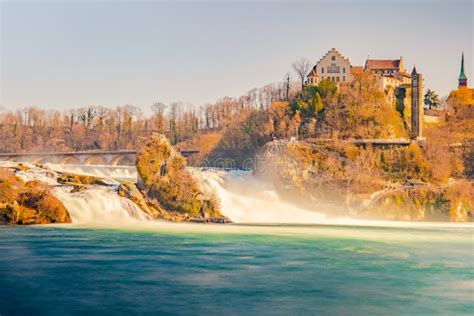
{"x":100,"y":206}
{"x":245,"y":199}
{"x":120,"y":173}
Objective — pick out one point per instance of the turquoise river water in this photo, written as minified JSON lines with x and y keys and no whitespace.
{"x":237,"y":270}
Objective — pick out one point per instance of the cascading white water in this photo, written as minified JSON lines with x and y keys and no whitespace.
{"x":100,"y":206}
{"x":120,"y":173}
{"x":96,"y":205}
{"x":245,"y":199}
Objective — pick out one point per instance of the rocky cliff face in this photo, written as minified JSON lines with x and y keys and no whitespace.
{"x":169,"y":190}
{"x":362,"y":182}
{"x":453,"y":203}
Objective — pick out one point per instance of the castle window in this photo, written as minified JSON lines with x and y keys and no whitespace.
{"x":344,"y":70}
{"x":337,"y":79}
{"x":322,"y":70}
{"x":333,"y":69}
{"x":344,"y":78}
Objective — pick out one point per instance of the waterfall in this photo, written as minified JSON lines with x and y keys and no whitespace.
{"x":95,"y":205}
{"x":243,"y":198}
{"x":246,"y":199}
{"x":100,"y":206}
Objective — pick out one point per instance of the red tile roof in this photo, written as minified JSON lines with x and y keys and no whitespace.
{"x":372,"y":64}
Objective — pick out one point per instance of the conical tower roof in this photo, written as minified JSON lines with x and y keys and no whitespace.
{"x":462,"y":75}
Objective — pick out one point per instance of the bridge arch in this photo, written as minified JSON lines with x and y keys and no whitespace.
{"x":95,"y":160}
{"x":123,"y":160}
{"x":68,"y":160}
{"x":116,"y":160}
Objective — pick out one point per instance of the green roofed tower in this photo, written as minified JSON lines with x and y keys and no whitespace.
{"x":462,"y":75}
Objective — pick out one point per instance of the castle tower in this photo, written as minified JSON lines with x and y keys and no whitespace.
{"x":416,"y":104}
{"x":462,"y":76}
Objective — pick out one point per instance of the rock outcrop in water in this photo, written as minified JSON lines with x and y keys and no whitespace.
{"x":28,"y":203}
{"x":168,"y":188}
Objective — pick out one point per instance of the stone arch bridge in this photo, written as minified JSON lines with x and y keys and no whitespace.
{"x":90,"y":157}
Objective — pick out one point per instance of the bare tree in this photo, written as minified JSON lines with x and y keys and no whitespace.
{"x":158,"y":107}
{"x":301,"y":68}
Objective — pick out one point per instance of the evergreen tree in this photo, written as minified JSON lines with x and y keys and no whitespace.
{"x":431,"y":100}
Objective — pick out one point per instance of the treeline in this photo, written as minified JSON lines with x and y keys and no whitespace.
{"x":235,"y":128}
{"x":125,"y":127}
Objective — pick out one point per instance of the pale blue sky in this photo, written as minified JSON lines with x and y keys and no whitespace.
{"x":61,"y":54}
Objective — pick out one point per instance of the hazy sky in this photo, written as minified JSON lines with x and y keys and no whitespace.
{"x":61,"y":54}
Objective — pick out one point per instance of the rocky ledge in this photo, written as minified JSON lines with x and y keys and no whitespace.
{"x":28,"y":202}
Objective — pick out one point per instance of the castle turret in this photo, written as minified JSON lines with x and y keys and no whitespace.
{"x":416,"y":104}
{"x":462,"y":75}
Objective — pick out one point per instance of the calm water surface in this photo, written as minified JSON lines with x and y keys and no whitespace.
{"x":334,"y":270}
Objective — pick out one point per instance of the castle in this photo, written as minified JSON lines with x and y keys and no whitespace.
{"x":401,"y":87}
{"x":337,"y":68}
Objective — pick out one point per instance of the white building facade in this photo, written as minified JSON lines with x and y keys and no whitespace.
{"x":332,"y":66}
